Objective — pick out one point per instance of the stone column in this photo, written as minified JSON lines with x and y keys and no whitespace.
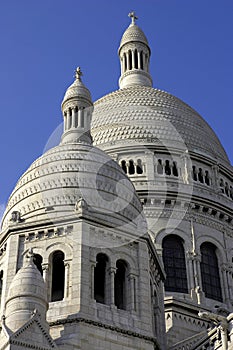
{"x":127,"y":58}
{"x":112,"y":271}
{"x":139,"y":61}
{"x":73,"y":118}
{"x":93,"y":265}
{"x":66,"y":282}
{"x":215,"y":176}
{"x":149,"y":160}
{"x":45,"y":269}
{"x":132,"y":284}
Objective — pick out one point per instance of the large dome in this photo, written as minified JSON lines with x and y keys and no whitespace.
{"x":145,"y":115}
{"x":69,"y":177}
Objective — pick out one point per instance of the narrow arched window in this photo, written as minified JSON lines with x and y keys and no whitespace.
{"x":207,"y":178}
{"x":227,"y":189}
{"x":123,"y":165}
{"x":160,"y":167}
{"x":200,"y":175}
{"x":174,"y":169}
{"x":120,"y":285}
{"x":136,"y":59}
{"x":139,"y":167}
{"x":210,"y":272}
{"x":131,"y":167}
{"x":141,"y":60}
{"x":58,"y":276}
{"x":174,"y":264}
{"x":100,"y":278}
{"x":130,"y":60}
{"x":194,"y":173}
{"x":37,"y":259}
{"x":125,"y":62}
{"x":222,"y":185}
{"x":167,"y":168}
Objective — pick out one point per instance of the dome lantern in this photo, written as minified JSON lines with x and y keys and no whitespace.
{"x":134,"y":54}
{"x":77,"y":110}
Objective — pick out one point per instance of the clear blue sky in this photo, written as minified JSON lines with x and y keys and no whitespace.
{"x":42,"y":42}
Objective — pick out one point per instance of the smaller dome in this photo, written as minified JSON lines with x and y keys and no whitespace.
{"x":27,"y":293}
{"x":133,"y":33}
{"x":77,"y":90}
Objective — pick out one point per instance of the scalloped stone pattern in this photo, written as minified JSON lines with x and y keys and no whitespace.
{"x":144,"y":114}
{"x":133,"y":33}
{"x":53,"y":184}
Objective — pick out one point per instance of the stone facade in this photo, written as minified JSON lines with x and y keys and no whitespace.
{"x":129,"y":245}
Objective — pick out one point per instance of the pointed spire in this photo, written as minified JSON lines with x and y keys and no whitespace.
{"x":134,"y":53}
{"x":77,"y":112}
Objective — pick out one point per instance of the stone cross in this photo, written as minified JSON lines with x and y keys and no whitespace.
{"x":133,"y":16}
{"x":78,"y":73}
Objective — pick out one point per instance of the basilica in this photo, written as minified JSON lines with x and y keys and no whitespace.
{"x":121,"y":236}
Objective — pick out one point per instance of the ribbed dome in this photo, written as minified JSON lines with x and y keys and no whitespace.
{"x":143,"y":114}
{"x":133,"y":33}
{"x":55,"y":182}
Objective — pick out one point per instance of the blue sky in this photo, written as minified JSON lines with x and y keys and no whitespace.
{"x":42,"y":42}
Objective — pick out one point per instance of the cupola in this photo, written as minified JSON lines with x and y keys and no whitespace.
{"x":134,"y":53}
{"x":77,"y":110}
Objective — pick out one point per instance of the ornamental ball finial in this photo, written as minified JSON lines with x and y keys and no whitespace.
{"x":133,"y":17}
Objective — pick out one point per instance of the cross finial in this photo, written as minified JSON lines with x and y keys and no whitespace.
{"x":78,"y":73}
{"x":133,"y":17}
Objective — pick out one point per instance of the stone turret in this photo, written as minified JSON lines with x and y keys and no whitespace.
{"x":27,"y":295}
{"x":77,"y":110}
{"x":134,"y":53}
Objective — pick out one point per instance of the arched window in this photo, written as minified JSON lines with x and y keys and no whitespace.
{"x":100,"y":278}
{"x":210,"y":272}
{"x":194,"y":173}
{"x":123,"y":165}
{"x":174,"y":264}
{"x":37,"y":259}
{"x":141,"y":60}
{"x":200,"y":175}
{"x":130,"y":60}
{"x":131,"y":167}
{"x":174,"y":169}
{"x":207,"y":178}
{"x":167,"y":168}
{"x":136,"y":59}
{"x":139,"y":167}
{"x":222,"y":185}
{"x":160,"y":167}
{"x":58,"y":276}
{"x":120,"y":285}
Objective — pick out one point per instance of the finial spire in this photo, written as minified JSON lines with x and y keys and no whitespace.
{"x":78,"y":73}
{"x":133,"y":17}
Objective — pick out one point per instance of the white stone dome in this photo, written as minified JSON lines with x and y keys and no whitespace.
{"x":133,"y":33}
{"x":77,"y":90}
{"x":144,"y":115}
{"x":72,"y":175}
